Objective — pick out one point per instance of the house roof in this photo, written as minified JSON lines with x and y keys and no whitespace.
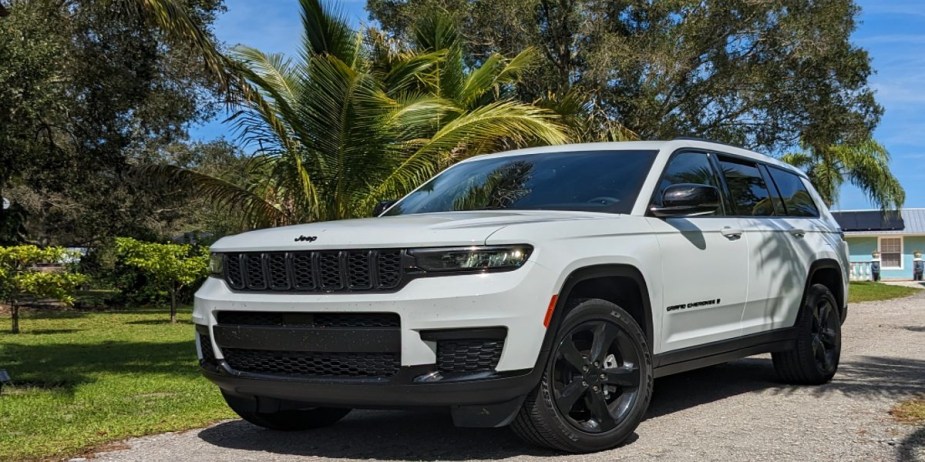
{"x":874,"y":222}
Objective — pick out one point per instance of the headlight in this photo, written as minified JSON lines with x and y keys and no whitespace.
{"x":476,"y":258}
{"x":217,"y":265}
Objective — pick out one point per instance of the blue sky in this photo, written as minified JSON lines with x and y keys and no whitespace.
{"x":892,"y":31}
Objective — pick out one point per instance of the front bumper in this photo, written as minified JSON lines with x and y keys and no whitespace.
{"x":400,"y":391}
{"x":513,"y":302}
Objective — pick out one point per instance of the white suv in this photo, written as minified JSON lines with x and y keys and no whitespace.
{"x":542,"y":288}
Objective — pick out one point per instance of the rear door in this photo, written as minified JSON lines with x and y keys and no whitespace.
{"x":802,"y":232}
{"x":771,"y":267}
{"x":704,"y":263}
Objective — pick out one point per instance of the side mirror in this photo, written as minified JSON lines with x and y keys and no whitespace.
{"x":382,"y":206}
{"x":687,"y":199}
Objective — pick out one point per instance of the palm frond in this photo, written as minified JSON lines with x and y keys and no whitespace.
{"x":173,"y":18}
{"x":467,"y":135}
{"x":436,"y":31}
{"x":797,"y":159}
{"x":276,"y":72}
{"x":407,"y":71}
{"x":248,"y":205}
{"x":866,"y":165}
{"x":494,"y":72}
{"x":326,"y":31}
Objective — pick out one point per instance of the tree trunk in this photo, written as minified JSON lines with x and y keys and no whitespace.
{"x":14,"y":311}
{"x":173,"y":303}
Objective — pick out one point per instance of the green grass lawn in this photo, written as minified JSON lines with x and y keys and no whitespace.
{"x":873,"y":291}
{"x":84,"y":379}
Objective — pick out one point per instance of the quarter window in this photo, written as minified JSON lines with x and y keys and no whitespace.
{"x":891,"y":252}
{"x":750,"y":196}
{"x":797,"y":200}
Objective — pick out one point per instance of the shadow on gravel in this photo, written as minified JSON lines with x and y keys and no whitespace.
{"x":430,"y":435}
{"x":912,"y":449}
{"x":382,"y":435}
{"x":874,"y":376}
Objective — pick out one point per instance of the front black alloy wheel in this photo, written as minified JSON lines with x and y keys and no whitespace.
{"x":597,"y":383}
{"x":814,"y":358}
{"x":596,"y":375}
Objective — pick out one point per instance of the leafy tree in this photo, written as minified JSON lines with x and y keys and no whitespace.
{"x":170,"y":266}
{"x":864,"y":164}
{"x":89,"y":89}
{"x":762,"y":74}
{"x":356,"y":119}
{"x":21,"y":277}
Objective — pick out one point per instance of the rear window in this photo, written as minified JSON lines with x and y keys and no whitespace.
{"x":797,"y":200}
{"x":750,"y":195}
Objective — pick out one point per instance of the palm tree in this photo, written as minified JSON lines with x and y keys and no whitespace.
{"x":864,"y":164}
{"x":359,"y":118}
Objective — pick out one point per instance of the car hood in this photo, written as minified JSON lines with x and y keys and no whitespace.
{"x":421,"y":230}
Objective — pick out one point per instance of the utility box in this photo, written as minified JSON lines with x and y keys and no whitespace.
{"x":918,"y":267}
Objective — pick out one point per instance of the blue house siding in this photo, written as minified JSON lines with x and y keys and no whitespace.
{"x":910,"y":245}
{"x":861,"y":247}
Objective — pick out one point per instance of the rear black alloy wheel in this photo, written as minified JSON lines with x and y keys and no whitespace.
{"x":826,"y":339}
{"x":596,"y":385}
{"x":596,"y":376}
{"x":814,"y":358}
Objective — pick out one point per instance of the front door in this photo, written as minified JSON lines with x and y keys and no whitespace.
{"x":704,"y":264}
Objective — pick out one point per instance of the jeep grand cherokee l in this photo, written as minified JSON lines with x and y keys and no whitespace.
{"x":543,"y":289}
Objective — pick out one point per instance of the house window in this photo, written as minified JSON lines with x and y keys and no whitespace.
{"x":891,"y":252}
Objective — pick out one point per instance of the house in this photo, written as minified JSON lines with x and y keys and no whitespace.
{"x":897,"y":238}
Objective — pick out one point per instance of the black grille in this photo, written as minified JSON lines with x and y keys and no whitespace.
{"x":321,"y":271}
{"x":348,"y":320}
{"x":468,"y":355}
{"x":307,"y":364}
{"x":208,"y":355}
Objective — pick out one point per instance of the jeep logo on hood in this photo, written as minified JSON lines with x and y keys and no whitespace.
{"x":306,"y":238}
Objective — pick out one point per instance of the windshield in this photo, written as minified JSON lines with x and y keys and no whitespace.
{"x":594,"y":181}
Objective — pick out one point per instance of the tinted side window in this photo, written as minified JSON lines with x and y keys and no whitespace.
{"x":796,"y":197}
{"x":750,"y":196}
{"x":686,"y":167}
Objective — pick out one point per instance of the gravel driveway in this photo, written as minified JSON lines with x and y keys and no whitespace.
{"x":736,"y":411}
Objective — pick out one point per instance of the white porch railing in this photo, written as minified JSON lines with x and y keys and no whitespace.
{"x":860,"y":271}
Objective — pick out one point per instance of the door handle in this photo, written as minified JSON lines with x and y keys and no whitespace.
{"x":798,"y":233}
{"x":731,"y":233}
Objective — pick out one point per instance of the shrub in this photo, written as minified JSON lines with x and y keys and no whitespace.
{"x":22,"y":276}
{"x":170,"y":267}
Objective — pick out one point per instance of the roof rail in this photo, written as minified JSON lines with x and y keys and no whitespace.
{"x":706,"y":140}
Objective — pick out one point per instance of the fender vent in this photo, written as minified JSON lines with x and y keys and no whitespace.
{"x":468,"y":355}
{"x":208,"y":354}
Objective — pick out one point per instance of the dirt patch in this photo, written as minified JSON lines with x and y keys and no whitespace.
{"x":910,"y":410}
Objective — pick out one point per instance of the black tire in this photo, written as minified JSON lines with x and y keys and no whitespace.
{"x":288,"y":420}
{"x":814,"y":359}
{"x":564,"y":411}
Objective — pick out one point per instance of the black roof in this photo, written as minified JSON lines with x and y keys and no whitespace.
{"x":872,"y":220}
